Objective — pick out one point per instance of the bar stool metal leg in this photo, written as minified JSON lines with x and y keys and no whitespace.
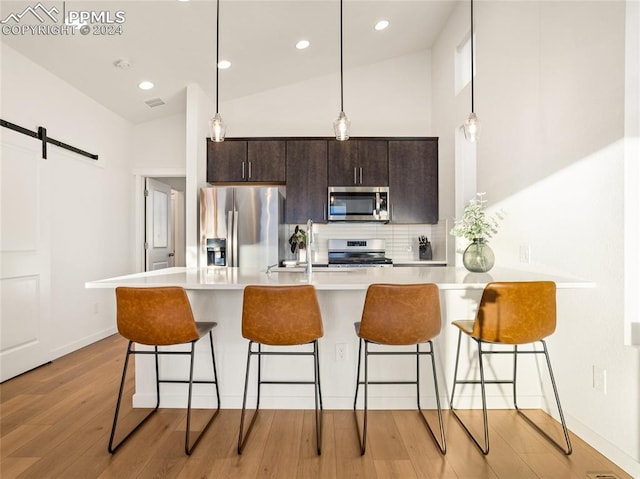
{"x":318,"y":398}
{"x":362,"y":439}
{"x":243,"y":439}
{"x":569,"y":449}
{"x":442,"y":444}
{"x":111,"y":448}
{"x":188,"y":449}
{"x":484,"y":448}
{"x":243,"y":436}
{"x":355,"y":400}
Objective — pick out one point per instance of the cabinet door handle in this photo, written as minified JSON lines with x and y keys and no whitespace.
{"x":360,"y":175}
{"x":250,"y":170}
{"x":324,"y":211}
{"x":243,"y":170}
{"x":355,"y":179}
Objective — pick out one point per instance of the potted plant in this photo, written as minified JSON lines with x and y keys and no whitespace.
{"x":477,"y":227}
{"x":424,"y":248}
{"x":298,"y":243}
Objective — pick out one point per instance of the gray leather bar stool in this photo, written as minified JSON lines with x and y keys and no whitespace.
{"x":395,"y":315}
{"x":161,"y":317}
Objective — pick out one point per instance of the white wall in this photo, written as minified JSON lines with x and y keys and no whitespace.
{"x":160,"y":144}
{"x":391,"y":98}
{"x":199,"y":110}
{"x":90,"y":225}
{"x":632,"y":172}
{"x":159,"y":150}
{"x":550,"y":95}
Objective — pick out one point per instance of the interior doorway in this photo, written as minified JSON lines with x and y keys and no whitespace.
{"x":164,"y":224}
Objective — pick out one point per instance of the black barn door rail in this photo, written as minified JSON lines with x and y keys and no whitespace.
{"x":41,"y":135}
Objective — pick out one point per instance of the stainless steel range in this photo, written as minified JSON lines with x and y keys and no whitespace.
{"x":357,"y":252}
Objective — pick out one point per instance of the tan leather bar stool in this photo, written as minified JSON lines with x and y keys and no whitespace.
{"x":281,"y":316}
{"x":512,"y":313}
{"x":394,"y":315}
{"x":161,"y":317}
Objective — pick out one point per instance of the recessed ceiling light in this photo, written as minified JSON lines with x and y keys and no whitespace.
{"x":302,"y":44}
{"x":224,"y":64}
{"x":145,"y":85}
{"x":381,"y":25}
{"x":183,"y":0}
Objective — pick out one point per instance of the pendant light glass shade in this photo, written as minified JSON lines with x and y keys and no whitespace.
{"x":471,"y":128}
{"x":341,"y":127}
{"x":217,"y":128}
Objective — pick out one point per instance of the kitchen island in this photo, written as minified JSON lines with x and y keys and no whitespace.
{"x":216,"y":295}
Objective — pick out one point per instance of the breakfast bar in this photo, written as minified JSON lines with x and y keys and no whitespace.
{"x":216,"y":294}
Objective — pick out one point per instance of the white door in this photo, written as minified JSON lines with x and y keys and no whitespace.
{"x":24,"y":255}
{"x":159,"y":236}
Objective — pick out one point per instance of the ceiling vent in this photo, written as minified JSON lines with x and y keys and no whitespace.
{"x":154,"y":102}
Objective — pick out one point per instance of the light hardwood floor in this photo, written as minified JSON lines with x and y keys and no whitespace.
{"x":55,"y":422}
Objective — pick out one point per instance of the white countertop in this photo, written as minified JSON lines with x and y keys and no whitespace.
{"x":222,"y":278}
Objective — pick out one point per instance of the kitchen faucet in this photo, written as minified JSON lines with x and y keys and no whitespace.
{"x":270,"y":267}
{"x":309,"y":270}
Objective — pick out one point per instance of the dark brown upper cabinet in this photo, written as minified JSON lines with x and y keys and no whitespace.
{"x":413,"y":180}
{"x":358,"y":162}
{"x":266,"y":161}
{"x":306,"y":181}
{"x":242,"y":160}
{"x":226,"y":161}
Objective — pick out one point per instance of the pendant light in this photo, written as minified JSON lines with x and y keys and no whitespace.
{"x":471,"y":126}
{"x":342,"y":124}
{"x":217,"y":127}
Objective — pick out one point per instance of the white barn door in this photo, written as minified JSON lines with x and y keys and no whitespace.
{"x":24,"y":255}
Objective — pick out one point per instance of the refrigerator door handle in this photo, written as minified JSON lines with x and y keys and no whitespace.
{"x":235,"y":239}
{"x":230,"y":258}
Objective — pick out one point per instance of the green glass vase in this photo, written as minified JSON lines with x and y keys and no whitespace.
{"x":478,"y":257}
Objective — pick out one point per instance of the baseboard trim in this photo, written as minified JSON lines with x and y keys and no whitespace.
{"x":81,"y":343}
{"x":604,"y":447}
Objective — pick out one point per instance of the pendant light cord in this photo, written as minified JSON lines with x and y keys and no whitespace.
{"x":472,"y":72}
{"x":341,"y":74}
{"x":217,"y":48}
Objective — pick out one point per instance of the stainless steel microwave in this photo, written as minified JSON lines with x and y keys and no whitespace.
{"x":358,"y":203}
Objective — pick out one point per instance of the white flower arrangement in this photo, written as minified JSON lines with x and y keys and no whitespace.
{"x":475,"y":224}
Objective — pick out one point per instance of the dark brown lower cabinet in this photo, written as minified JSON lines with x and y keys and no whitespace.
{"x":306,"y":181}
{"x":413,"y":180}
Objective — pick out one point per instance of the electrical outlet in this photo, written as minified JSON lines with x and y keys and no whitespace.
{"x":96,"y":308}
{"x":525,"y":253}
{"x":342,"y":351}
{"x":600,"y":379}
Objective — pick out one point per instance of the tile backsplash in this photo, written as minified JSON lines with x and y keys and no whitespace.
{"x":401,"y":241}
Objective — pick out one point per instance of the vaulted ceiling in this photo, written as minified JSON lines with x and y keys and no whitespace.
{"x":172,"y":44}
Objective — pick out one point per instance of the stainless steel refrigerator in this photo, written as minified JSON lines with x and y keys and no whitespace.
{"x":241,"y":226}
